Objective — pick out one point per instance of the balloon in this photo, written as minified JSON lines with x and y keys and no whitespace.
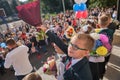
{"x":78,"y":1}
{"x":81,"y":14}
{"x":84,"y":14}
{"x":78,"y":14}
{"x":82,"y":7}
{"x":3,"y":45}
{"x":83,"y":1}
{"x":76,"y":7}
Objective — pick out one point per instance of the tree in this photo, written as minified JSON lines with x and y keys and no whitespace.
{"x":14,"y":4}
{"x":102,"y":3}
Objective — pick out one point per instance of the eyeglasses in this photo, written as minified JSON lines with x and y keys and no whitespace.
{"x":75,"y":47}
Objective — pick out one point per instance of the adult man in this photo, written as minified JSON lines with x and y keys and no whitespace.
{"x":18,"y":58}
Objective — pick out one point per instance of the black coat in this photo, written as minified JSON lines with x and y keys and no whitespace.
{"x":79,"y":71}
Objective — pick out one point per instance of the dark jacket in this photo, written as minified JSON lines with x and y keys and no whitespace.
{"x":79,"y":71}
{"x":109,"y":33}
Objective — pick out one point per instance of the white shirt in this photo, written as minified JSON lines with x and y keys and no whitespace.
{"x":18,"y":58}
{"x":60,"y":67}
{"x":96,"y":59}
{"x":74,"y":61}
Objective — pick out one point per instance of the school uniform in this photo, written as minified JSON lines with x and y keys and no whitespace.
{"x":109,"y":33}
{"x":79,"y":70}
{"x":97,"y":64}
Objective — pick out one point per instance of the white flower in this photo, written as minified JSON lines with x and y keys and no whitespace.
{"x":95,"y":36}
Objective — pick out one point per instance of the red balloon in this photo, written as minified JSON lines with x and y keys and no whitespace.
{"x":81,"y":14}
{"x":84,"y":14}
{"x":78,"y":14}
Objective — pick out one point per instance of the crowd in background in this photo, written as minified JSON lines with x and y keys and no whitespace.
{"x":36,"y":39}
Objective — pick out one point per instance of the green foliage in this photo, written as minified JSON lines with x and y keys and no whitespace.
{"x":51,"y":6}
{"x":102,"y":3}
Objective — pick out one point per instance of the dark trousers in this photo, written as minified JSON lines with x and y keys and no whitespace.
{"x":94,"y":70}
{"x":2,"y":69}
{"x":42,"y":44}
{"x":102,"y":65}
{"x":101,"y":69}
{"x":20,"y":77}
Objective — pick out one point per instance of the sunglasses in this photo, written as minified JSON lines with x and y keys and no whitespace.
{"x":76,"y":47}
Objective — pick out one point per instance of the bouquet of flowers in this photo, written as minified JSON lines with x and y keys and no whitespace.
{"x":70,"y":32}
{"x":49,"y":67}
{"x":83,"y":22}
{"x":97,"y":30}
{"x":102,"y":45}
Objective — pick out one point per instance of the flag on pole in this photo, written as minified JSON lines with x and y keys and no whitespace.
{"x":30,"y":13}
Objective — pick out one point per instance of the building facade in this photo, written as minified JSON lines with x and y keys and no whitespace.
{"x":9,"y":6}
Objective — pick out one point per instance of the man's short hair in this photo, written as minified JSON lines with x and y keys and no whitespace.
{"x":103,"y":21}
{"x":89,"y":41}
{"x":10,"y":42}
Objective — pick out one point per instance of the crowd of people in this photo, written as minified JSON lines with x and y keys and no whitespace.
{"x":72,"y":38}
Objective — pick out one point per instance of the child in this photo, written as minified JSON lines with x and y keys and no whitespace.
{"x":78,"y":49}
{"x":104,"y":21}
{"x":97,"y":64}
{"x":32,"y":76}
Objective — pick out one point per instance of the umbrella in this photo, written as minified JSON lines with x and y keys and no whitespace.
{"x":30,"y":13}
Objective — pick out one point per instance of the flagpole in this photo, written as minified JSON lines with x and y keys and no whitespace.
{"x":63,"y":3}
{"x":118,"y":10}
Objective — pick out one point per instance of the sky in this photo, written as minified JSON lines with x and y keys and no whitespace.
{"x":23,"y":0}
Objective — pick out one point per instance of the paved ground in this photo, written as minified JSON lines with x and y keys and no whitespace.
{"x":113,"y":70}
{"x":37,"y":60}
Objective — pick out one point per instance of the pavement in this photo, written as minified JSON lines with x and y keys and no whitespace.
{"x":113,"y":67}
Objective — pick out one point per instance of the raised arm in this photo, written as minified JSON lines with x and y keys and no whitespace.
{"x":54,"y":38}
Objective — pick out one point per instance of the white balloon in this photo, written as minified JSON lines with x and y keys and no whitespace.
{"x":78,"y":1}
{"x":83,"y":1}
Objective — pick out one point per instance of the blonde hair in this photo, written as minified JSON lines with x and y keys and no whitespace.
{"x":103,"y":21}
{"x":32,"y":76}
{"x":89,"y":41}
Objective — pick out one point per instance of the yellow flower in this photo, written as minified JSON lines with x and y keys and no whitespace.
{"x":102,"y":51}
{"x":70,"y":32}
{"x":97,"y":30}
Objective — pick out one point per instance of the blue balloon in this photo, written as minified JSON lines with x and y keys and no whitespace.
{"x":76,"y":7}
{"x":3,"y":45}
{"x":82,"y":7}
